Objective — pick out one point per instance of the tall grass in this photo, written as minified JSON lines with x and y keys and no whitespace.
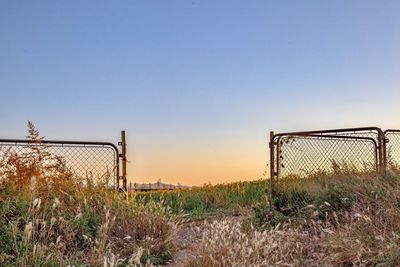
{"x":48,"y":219}
{"x":229,"y":199}
{"x":322,"y":221}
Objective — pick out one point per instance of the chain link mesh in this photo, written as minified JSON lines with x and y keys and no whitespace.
{"x":95,"y":163}
{"x":393,"y":148}
{"x":303,"y":156}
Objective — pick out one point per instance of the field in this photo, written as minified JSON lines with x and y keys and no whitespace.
{"x":339,"y":221}
{"x":49,"y":219}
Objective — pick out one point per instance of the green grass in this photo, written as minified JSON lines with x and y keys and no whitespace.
{"x":339,"y":220}
{"x":234,"y":198}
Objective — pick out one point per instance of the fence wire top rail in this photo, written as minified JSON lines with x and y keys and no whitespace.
{"x":372,"y":132}
{"x":59,"y":142}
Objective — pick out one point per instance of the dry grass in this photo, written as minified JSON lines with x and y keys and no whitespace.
{"x":319,"y":231}
{"x":226,"y":244}
{"x":73,"y":226}
{"x":49,"y":219}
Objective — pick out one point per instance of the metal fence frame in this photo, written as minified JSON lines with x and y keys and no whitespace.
{"x":82,"y":144}
{"x":345,"y":133}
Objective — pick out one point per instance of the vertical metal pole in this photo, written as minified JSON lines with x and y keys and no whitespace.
{"x":117,"y":169}
{"x":271,"y":164}
{"x":376,"y":158}
{"x":384,"y":152}
{"x":123,"y":143}
{"x":278,"y":158}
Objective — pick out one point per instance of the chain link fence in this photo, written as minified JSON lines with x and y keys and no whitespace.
{"x":94,"y":162}
{"x":302,"y":154}
{"x":392,"y":143}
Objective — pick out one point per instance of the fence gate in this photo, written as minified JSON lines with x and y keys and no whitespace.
{"x":301,"y":154}
{"x":97,"y":162}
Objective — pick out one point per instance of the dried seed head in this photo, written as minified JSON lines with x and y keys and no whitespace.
{"x":28,"y":230}
{"x":36,"y":203}
{"x":53,"y":220}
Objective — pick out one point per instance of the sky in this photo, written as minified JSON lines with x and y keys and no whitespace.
{"x":197,"y":85}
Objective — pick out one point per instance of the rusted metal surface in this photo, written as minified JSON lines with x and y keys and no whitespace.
{"x":123,"y":157}
{"x":301,"y":154}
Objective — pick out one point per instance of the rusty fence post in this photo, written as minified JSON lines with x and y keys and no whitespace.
{"x":382,"y":151}
{"x":271,"y":165}
{"x":385,"y":140}
{"x":123,"y":156}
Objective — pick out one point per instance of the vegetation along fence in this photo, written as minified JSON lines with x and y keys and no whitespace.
{"x":95,"y":162}
{"x":301,"y":154}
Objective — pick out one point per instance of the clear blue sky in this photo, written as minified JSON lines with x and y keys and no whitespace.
{"x":197,"y":84}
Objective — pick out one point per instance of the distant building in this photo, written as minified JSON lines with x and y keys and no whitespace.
{"x":155,"y":186}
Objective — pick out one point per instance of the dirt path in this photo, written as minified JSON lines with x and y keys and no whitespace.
{"x":188,"y":239}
